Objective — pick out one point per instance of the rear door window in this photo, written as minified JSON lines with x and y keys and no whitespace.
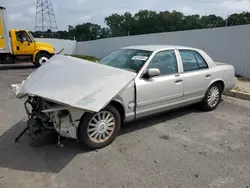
{"x":192,"y":60}
{"x":201,"y":62}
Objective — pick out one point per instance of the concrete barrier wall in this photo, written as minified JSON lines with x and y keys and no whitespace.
{"x":229,"y":44}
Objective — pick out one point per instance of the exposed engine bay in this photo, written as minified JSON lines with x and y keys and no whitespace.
{"x":46,"y":116}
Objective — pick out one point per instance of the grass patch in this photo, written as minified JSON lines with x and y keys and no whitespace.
{"x":86,"y":57}
{"x":243,"y":79}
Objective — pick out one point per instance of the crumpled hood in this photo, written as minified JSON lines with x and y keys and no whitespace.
{"x":75,"y":82}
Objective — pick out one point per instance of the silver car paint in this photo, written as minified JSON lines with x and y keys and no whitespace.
{"x":139,"y":97}
{"x":75,"y":82}
{"x":153,"y":97}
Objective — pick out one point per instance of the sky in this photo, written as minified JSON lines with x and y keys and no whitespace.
{"x":21,"y":13}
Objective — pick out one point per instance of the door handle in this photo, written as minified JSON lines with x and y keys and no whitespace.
{"x":178,"y":80}
{"x":208,"y":75}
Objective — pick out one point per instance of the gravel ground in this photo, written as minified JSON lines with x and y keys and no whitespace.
{"x":183,"y":148}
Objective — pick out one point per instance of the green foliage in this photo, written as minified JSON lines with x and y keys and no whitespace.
{"x":86,"y":57}
{"x":239,"y":19}
{"x":143,"y":22}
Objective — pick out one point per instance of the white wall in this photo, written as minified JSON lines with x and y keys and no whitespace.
{"x":229,"y":44}
{"x":68,"y":45}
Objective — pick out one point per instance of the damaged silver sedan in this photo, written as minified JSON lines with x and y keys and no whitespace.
{"x":89,"y":101}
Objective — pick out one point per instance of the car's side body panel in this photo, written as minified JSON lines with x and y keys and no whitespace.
{"x":195,"y":83}
{"x":157,"y":93}
{"x":126,"y":98}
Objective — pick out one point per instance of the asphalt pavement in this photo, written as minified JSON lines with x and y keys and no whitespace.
{"x":16,"y":66}
{"x":183,"y":148}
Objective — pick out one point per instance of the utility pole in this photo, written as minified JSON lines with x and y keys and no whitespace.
{"x":45,"y":17}
{"x":227,"y":20}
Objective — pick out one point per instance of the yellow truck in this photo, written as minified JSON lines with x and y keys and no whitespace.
{"x":19,"y":44}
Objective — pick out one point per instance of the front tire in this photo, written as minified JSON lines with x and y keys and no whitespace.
{"x":41,"y":59}
{"x":97,"y":130}
{"x":212,"y":97}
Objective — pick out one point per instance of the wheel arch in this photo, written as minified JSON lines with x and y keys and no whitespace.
{"x":115,"y":103}
{"x":119,"y":106}
{"x":220,"y":82}
{"x":38,"y":52}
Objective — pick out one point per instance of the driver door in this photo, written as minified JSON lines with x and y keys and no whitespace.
{"x":24,"y":44}
{"x":159,"y":93}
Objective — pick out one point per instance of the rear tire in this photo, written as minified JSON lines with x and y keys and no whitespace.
{"x":97,"y":130}
{"x":41,"y":59}
{"x":212,"y":97}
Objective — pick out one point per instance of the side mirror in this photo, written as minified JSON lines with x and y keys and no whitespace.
{"x":153,"y":72}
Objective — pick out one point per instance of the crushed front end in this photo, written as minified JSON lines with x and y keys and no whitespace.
{"x":46,"y":116}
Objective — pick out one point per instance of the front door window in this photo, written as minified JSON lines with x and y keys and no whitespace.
{"x":165,"y":61}
{"x":22,"y":36}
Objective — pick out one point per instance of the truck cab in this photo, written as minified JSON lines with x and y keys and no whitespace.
{"x":24,"y":46}
{"x":20,"y":44}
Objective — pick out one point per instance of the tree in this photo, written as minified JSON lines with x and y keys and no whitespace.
{"x":239,"y":19}
{"x":212,"y":21}
{"x":191,"y":22}
{"x":163,"y":21}
{"x":115,"y":23}
{"x":176,"y":21}
{"x":143,"y":22}
{"x":87,"y":31}
{"x":105,"y":33}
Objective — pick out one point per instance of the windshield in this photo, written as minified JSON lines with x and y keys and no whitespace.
{"x":31,"y":36}
{"x":128,"y":59}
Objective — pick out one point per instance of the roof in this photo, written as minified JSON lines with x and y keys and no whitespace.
{"x":2,"y":7}
{"x":156,"y":47}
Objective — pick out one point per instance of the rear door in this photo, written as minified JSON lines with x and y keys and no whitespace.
{"x":1,"y":34}
{"x":196,"y":74}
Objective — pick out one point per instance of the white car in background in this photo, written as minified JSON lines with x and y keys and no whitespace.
{"x":89,"y":101}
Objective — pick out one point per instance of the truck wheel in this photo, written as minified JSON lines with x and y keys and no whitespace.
{"x":97,"y":130}
{"x":212,"y":97}
{"x":41,"y":59}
